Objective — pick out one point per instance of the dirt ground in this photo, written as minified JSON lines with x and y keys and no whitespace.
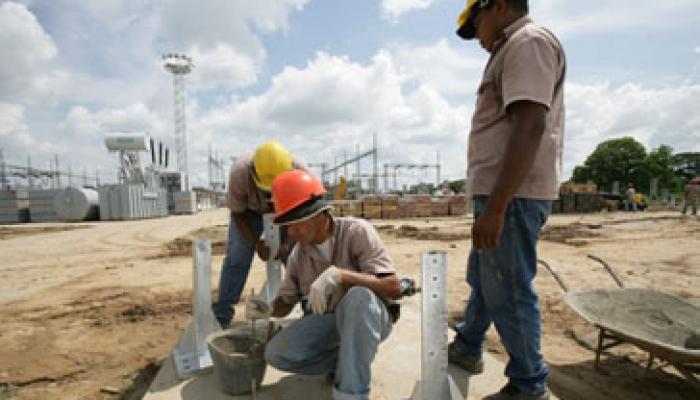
{"x":88,"y":310}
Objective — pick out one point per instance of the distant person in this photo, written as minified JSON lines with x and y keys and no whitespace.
{"x":341,"y":269}
{"x":690,"y":196}
{"x":514,"y":160}
{"x":248,"y":199}
{"x":631,"y":195}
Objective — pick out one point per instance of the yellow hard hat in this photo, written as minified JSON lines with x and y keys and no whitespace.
{"x":465,"y":21}
{"x":270,"y":160}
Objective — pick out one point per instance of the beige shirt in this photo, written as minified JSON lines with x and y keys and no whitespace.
{"x":243,"y":193}
{"x":529,"y":64}
{"x":354,"y":245}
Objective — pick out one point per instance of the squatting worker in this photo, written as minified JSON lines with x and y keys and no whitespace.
{"x":514,"y":157}
{"x":341,"y":266}
{"x":248,"y":199}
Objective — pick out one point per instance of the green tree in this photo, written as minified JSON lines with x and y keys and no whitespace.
{"x":614,"y":160}
{"x":661,"y":164}
{"x":687,"y":165}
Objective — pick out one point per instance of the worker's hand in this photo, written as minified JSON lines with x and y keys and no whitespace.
{"x":486,"y":232}
{"x":257,"y":308}
{"x":262,"y":250}
{"x":322,"y":289}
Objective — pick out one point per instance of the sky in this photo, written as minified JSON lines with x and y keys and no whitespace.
{"x":323,"y":76}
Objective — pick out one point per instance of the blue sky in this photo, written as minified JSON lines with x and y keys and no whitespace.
{"x":322,"y":75}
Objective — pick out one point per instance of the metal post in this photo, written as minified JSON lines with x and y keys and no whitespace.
{"x":191,"y":353}
{"x":435,"y":383}
{"x":273,"y":282}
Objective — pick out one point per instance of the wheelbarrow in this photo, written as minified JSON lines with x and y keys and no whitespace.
{"x":663,"y":325}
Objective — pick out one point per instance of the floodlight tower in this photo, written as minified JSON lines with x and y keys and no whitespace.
{"x":179,"y":65}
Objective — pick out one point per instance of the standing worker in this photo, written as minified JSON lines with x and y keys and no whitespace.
{"x":248,"y":199}
{"x":631,"y":198}
{"x":341,"y":270}
{"x":690,"y":196}
{"x":515,"y":151}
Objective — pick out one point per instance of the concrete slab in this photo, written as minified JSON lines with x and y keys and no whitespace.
{"x":394,"y":373}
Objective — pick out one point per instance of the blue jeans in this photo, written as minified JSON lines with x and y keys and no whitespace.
{"x":343,"y":343}
{"x":234,"y":271}
{"x":502,"y":293}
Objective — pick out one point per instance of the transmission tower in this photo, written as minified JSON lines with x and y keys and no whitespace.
{"x":179,"y":65}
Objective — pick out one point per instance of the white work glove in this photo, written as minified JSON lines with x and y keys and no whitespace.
{"x":257,"y":308}
{"x":322,"y":289}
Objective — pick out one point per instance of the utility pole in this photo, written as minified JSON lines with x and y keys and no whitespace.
{"x":58,"y":173}
{"x":30,"y":182}
{"x":374,"y":160}
{"x":3,"y":171}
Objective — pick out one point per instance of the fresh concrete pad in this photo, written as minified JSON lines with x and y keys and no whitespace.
{"x":394,"y":373}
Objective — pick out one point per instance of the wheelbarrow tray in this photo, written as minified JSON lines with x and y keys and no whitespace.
{"x":659,"y":323}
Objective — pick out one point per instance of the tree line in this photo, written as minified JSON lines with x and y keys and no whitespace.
{"x":625,"y":160}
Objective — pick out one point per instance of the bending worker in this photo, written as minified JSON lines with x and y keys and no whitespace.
{"x":515,"y":149}
{"x":340,"y":268}
{"x":248,"y":199}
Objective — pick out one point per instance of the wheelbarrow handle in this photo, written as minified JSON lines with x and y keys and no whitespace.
{"x":555,"y":274}
{"x":609,"y":269}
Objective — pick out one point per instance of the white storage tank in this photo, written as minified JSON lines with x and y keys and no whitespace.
{"x":77,"y":204}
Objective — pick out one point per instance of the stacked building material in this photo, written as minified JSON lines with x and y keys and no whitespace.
{"x":588,"y":202}
{"x":346,"y":208}
{"x":390,"y":207}
{"x":570,"y":187}
{"x":458,"y":204}
{"x":423,"y":205}
{"x":556,"y":206}
{"x":371,"y":207}
{"x":439,"y":207}
{"x":14,"y":206}
{"x":568,"y":202}
{"x":41,"y":206}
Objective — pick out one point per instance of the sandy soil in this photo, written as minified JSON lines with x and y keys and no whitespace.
{"x":88,"y":310}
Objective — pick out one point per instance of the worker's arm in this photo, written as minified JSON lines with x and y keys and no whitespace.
{"x":280,"y":308}
{"x":245,"y":230}
{"x":529,"y":124}
{"x":386,"y":286}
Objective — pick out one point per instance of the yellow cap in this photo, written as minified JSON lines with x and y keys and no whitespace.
{"x":465,"y":21}
{"x":270,"y":160}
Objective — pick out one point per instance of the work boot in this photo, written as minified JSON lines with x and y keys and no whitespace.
{"x":511,"y":392}
{"x":472,"y":364}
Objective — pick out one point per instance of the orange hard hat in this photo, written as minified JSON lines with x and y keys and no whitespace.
{"x":297,"y":196}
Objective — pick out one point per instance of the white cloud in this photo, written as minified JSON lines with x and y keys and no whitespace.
{"x":223,"y":37}
{"x":451,"y":71}
{"x":568,"y":18}
{"x":26,"y":51}
{"x":652,"y":116}
{"x":323,"y":110}
{"x":222,"y":65}
{"x":134,"y":118}
{"x":393,"y":9}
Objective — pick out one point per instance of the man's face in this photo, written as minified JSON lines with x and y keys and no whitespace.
{"x":305,"y":232}
{"x":487,"y":29}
